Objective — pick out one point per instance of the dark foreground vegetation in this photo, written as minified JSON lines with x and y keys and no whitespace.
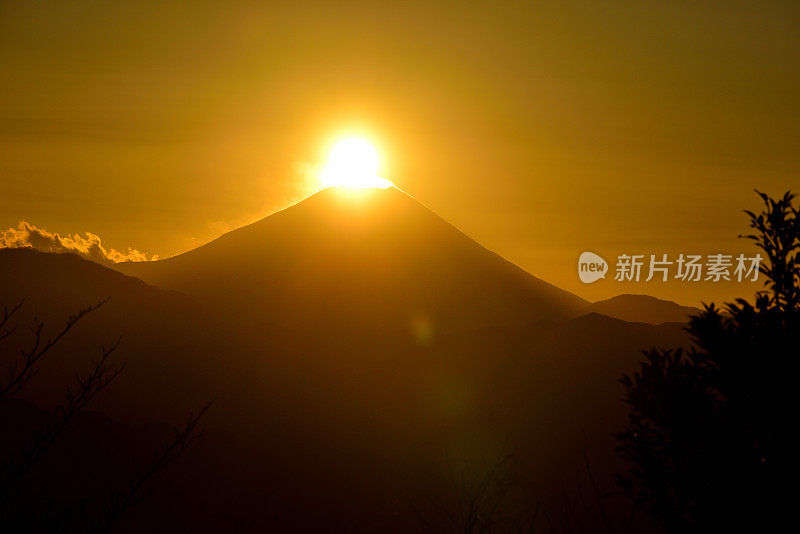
{"x":711,"y":436}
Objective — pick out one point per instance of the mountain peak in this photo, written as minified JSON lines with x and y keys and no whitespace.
{"x":346,"y":259}
{"x":372,"y":198}
{"x":343,"y":200}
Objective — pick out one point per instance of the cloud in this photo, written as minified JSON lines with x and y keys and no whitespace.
{"x":88,"y":246}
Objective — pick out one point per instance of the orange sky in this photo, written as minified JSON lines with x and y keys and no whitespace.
{"x":539,"y":129}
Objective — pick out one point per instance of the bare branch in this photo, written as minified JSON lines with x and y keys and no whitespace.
{"x":100,"y":376}
{"x":20,"y":371}
{"x":183,"y":437}
{"x":8,"y":314}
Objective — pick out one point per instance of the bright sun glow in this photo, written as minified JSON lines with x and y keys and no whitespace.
{"x":353,"y":163}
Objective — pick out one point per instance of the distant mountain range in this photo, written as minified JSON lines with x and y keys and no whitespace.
{"x":362,"y":352}
{"x":642,"y":309}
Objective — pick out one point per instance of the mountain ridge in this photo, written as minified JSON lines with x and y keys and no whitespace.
{"x":356,"y":257}
{"x":641,"y":308}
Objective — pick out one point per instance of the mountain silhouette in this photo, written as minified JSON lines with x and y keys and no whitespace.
{"x":360,"y":350}
{"x":375,"y":258}
{"x":641,"y":308}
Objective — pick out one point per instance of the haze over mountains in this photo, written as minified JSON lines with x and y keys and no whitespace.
{"x":362,"y":352}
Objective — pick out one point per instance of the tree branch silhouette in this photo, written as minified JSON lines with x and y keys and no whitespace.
{"x":22,"y":369}
{"x":183,"y":437}
{"x":100,"y":376}
{"x":7,"y":315}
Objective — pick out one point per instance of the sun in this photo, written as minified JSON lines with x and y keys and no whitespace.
{"x":353,"y":163}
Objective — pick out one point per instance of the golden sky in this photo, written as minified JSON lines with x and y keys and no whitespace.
{"x":540,"y":129}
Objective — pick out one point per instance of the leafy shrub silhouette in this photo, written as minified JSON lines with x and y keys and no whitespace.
{"x":710,"y":428}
